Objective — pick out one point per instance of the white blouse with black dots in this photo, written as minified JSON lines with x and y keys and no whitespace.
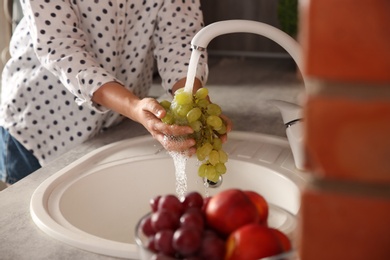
{"x":64,"y":50}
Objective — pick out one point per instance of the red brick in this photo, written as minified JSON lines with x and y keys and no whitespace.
{"x":346,"y":40}
{"x":348,"y":139}
{"x":344,"y":225}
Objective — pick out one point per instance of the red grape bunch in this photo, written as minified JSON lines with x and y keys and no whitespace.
{"x":178,"y":230}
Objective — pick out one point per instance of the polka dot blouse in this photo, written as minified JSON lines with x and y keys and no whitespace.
{"x":63,"y":51}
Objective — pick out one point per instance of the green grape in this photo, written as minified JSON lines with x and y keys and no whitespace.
{"x":223,"y":157}
{"x":217,"y":144}
{"x":214,"y":109}
{"x":215,"y":122}
{"x":201,"y":156}
{"x":222,"y":130}
{"x":182,"y":110}
{"x":168,"y":118}
{"x":214,"y":157}
{"x":194,"y":114}
{"x":183,"y":98}
{"x":201,"y":93}
{"x":203,"y":103}
{"x":165,"y":104}
{"x":220,"y":168}
{"x":196,"y":126}
{"x":206,"y":149}
{"x":202,"y":170}
{"x":211,"y":173}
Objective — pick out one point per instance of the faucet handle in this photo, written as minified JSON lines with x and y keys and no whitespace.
{"x":290,"y":111}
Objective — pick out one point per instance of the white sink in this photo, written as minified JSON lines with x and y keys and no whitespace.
{"x":95,"y":203}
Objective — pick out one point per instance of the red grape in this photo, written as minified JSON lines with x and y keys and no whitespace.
{"x":193,"y":199}
{"x":154,"y":203}
{"x":163,"y":242}
{"x":192,"y":219}
{"x":150,"y":244}
{"x":163,"y":219}
{"x":186,"y":241}
{"x":212,"y":247}
{"x":146,"y":226}
{"x":172,"y":203}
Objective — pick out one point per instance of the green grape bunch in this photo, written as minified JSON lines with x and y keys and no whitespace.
{"x":196,"y":111}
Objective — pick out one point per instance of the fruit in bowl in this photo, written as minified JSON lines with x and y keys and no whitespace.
{"x":229,"y":225}
{"x":255,"y":241}
{"x":233,"y":208}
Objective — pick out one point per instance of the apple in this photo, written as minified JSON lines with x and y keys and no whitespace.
{"x":261,"y":205}
{"x":230,"y":209}
{"x":252,"y":241}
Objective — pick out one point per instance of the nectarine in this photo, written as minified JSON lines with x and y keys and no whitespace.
{"x":252,"y":241}
{"x":229,"y":210}
{"x":261,"y":205}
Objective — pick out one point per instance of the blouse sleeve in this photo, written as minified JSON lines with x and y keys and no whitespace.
{"x":177,"y":23}
{"x":60,"y":46}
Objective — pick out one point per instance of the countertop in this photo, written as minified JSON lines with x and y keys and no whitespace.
{"x":20,"y":238}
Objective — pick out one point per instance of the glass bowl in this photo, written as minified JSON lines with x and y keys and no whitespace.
{"x":278,"y":218}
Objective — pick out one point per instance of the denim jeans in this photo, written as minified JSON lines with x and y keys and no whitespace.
{"x":16,"y":162}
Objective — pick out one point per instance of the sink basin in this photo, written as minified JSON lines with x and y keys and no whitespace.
{"x":95,"y":203}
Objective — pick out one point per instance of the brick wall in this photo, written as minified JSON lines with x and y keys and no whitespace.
{"x":346,"y":207}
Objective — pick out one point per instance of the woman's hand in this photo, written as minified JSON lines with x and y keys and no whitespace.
{"x":147,"y":112}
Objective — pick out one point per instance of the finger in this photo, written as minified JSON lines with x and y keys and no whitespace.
{"x":155,"y":108}
{"x":223,"y":138}
{"x":173,"y":130}
{"x":172,"y":143}
{"x":189,"y":152}
{"x":228,"y":122}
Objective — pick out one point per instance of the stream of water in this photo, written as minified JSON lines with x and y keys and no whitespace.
{"x":180,"y":160}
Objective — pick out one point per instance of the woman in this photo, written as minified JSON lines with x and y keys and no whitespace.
{"x":79,"y":67}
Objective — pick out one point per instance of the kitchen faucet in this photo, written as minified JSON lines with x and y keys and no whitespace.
{"x":291,"y":113}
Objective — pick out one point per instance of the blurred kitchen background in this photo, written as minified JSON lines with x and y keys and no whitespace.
{"x":10,"y":15}
{"x":246,"y":70}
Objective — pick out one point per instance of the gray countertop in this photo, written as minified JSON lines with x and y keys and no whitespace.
{"x":20,"y":238}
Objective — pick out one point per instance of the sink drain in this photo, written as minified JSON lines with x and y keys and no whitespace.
{"x":212,"y":184}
